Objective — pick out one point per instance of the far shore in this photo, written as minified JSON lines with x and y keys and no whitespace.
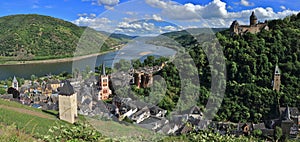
{"x":69,"y":59}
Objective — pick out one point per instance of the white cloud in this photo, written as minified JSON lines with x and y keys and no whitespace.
{"x":246,"y":3}
{"x":169,"y":28}
{"x":212,"y":13}
{"x":190,"y":11}
{"x":146,"y":27}
{"x":156,"y":17}
{"x":283,"y":7}
{"x":108,"y":4}
{"x":102,"y":24}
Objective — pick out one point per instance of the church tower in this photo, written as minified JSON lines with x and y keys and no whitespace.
{"x":104,"y":85}
{"x":276,"y":82}
{"x":253,"y":19}
{"x":15,"y":83}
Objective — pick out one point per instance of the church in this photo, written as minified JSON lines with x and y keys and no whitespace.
{"x":254,"y":27}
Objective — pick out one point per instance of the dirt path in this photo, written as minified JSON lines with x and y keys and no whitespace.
{"x":26,"y":111}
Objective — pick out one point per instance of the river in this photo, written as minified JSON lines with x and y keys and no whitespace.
{"x":136,"y":49}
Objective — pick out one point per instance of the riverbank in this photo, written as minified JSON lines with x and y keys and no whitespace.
{"x":69,"y":59}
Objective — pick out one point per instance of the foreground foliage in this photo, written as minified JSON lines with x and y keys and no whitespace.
{"x":77,"y":132}
{"x":11,"y":134}
{"x":209,"y":137}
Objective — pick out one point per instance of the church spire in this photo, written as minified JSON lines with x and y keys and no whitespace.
{"x":15,"y":83}
{"x":103,"y":69}
{"x":277,"y":80}
{"x":277,"y":71}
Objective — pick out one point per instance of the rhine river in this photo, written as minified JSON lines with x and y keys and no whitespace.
{"x":136,"y":49}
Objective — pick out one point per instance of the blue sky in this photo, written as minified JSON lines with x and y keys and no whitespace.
{"x":122,"y":15}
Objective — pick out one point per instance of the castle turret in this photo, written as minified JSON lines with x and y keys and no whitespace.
{"x":253,"y":19}
{"x":276,"y":82}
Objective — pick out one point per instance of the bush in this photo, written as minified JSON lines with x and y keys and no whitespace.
{"x":77,"y":132}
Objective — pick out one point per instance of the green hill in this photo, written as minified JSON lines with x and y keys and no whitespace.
{"x":27,"y":37}
{"x":250,"y":63}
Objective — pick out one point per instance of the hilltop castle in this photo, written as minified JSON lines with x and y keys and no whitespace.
{"x":253,"y":28}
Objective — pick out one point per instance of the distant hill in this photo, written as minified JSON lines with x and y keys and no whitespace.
{"x":122,"y":37}
{"x":194,"y":31}
{"x":36,"y":36}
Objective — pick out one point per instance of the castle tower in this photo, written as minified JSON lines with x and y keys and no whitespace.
{"x":67,"y":103}
{"x":15,"y":83}
{"x":234,"y":28}
{"x":276,"y":82}
{"x":253,"y":19}
{"x":104,"y":85}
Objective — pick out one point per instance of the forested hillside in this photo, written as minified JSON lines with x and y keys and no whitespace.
{"x":250,"y":63}
{"x":34,"y":36}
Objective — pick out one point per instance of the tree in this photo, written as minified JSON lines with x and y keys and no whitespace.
{"x":2,"y":91}
{"x":277,"y":133}
{"x":14,"y":92}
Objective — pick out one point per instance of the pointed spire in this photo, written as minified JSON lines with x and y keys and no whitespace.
{"x":277,"y":71}
{"x":286,"y":115}
{"x":15,"y":80}
{"x":253,"y":16}
{"x":103,"y":69}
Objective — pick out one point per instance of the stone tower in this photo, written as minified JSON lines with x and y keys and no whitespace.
{"x":286,"y":122}
{"x":15,"y":83}
{"x":104,"y":85}
{"x":253,"y":19}
{"x":276,"y":82}
{"x":67,"y":103}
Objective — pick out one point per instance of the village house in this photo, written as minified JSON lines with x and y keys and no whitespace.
{"x":193,"y":112}
{"x":141,"y":115}
{"x":153,"y":123}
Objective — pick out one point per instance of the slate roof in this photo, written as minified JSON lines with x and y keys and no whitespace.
{"x":192,"y":110}
{"x":67,"y":89}
{"x":54,"y":82}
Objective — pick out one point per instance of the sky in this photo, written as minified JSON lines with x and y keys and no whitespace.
{"x":152,"y":17}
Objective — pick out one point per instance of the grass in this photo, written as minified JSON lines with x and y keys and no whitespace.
{"x":36,"y":123}
{"x":10,"y":134}
{"x":28,"y":123}
{"x":37,"y":127}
